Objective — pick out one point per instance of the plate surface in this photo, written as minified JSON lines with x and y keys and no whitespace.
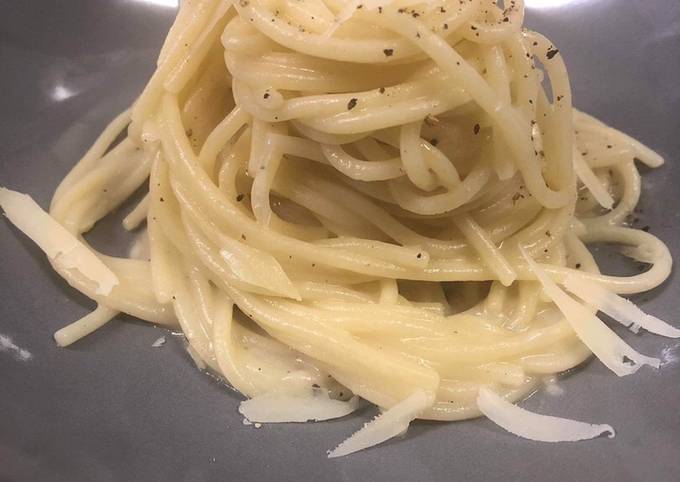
{"x":113,"y":408}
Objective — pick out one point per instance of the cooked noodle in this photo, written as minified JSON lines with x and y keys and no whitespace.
{"x":340,"y":194}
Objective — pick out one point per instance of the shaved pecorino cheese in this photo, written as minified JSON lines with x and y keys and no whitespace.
{"x":598,"y":337}
{"x":532,"y":426}
{"x":386,"y":425}
{"x":281,"y":408}
{"x":56,"y":241}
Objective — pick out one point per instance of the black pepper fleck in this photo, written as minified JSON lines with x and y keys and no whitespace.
{"x":551,"y":53}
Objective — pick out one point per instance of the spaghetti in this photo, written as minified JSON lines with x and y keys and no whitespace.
{"x":375,"y":199}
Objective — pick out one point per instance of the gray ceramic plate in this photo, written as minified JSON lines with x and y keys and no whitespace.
{"x":113,"y":408}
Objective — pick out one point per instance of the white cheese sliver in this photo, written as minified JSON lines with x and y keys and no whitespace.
{"x":60,"y":245}
{"x":279,"y":408}
{"x":619,"y":308}
{"x":598,"y":337}
{"x":386,"y":425}
{"x":257,"y":267}
{"x":532,"y":426}
{"x":590,"y":181}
